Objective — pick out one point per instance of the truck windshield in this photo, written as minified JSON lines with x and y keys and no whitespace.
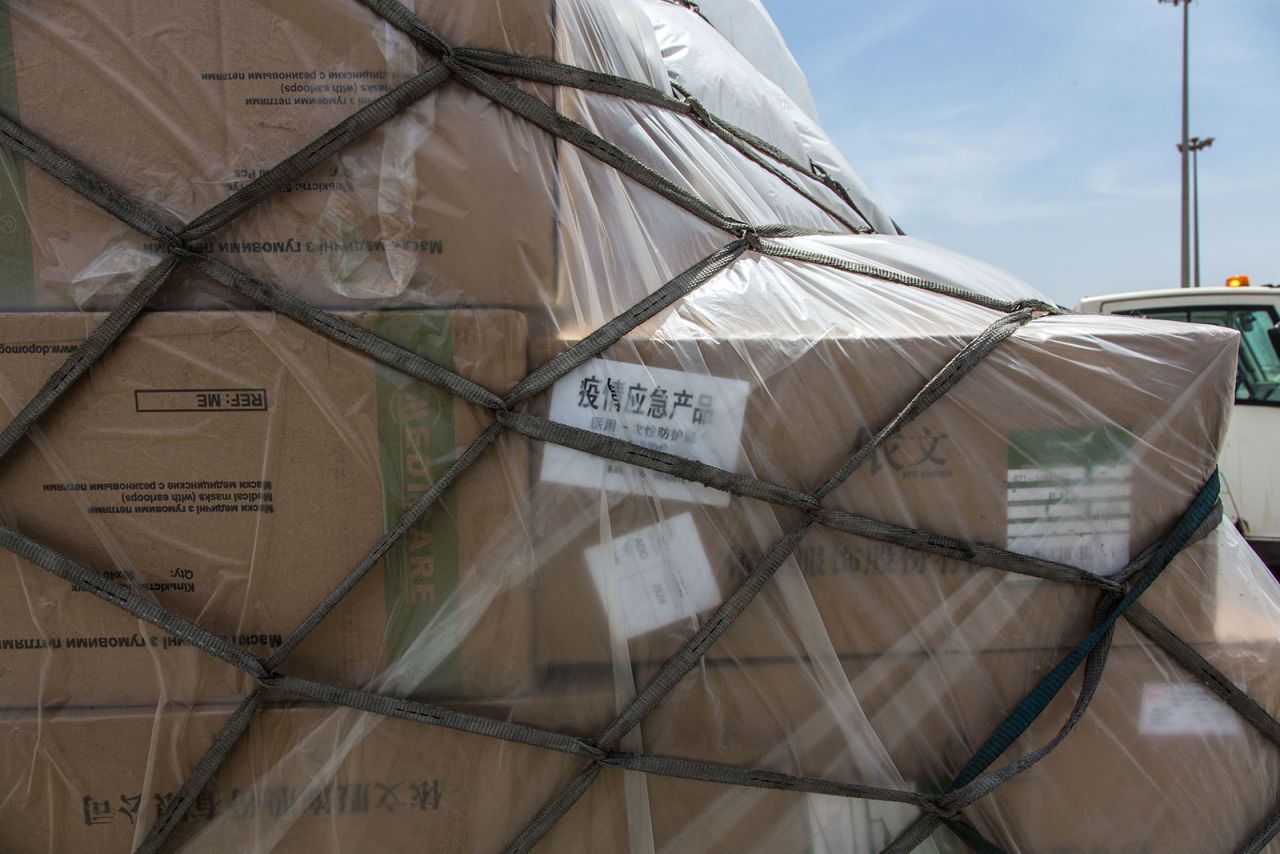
{"x":1258,"y":376}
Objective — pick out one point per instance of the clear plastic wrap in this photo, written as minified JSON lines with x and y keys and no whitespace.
{"x":510,"y":424}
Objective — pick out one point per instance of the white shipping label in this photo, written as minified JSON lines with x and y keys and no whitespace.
{"x":1185,"y":708}
{"x":1068,"y":495}
{"x":658,"y":575}
{"x":689,"y":415}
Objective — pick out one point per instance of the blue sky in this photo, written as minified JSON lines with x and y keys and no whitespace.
{"x":1040,"y":136}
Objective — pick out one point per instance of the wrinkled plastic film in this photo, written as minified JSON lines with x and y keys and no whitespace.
{"x":709,"y":580}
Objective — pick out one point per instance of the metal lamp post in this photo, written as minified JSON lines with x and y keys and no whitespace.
{"x":1184,"y":147}
{"x":1195,"y":144}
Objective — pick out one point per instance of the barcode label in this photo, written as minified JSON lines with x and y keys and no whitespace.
{"x":656,"y":576}
{"x":1068,"y":496}
{"x":1185,"y":708}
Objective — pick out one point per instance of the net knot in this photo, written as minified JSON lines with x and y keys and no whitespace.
{"x":944,"y":807}
{"x":179,"y":248}
{"x":696,"y":109}
{"x":265,"y":677}
{"x":1037,"y":307}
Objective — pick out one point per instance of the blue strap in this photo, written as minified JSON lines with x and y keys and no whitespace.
{"x":1040,"y":696}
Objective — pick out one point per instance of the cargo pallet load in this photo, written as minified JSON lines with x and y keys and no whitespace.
{"x":488,"y":425}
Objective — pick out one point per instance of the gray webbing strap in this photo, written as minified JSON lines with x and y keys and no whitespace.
{"x":779,"y":250}
{"x":950,"y":804}
{"x":911,"y":836}
{"x":127,"y":599}
{"x":223,"y":743}
{"x":575,"y":77}
{"x":983,"y":785}
{"x":1200,"y":668}
{"x":960,"y":550}
{"x":758,"y":778}
{"x":427,"y":713}
{"x":57,"y":165}
{"x":539,"y":113}
{"x":1267,"y":832}
{"x":284,"y":173}
{"x":858,"y":226}
{"x":753,"y":233}
{"x":755,"y":155}
{"x":600,"y":445}
{"x":771,"y":151}
{"x":407,"y":520}
{"x":615,"y":330}
{"x":547,"y":817}
{"x":667,"y":766}
{"x":88,"y":352}
{"x":341,"y":330}
{"x":970,"y":836}
{"x":716,"y":625}
{"x":937,"y":386}
{"x":404,"y":20}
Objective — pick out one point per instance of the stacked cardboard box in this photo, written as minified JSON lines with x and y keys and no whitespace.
{"x":417,"y":212}
{"x":1183,"y":771}
{"x":304,"y":779}
{"x":1007,"y":459}
{"x":234,"y":467}
{"x":329,"y":780}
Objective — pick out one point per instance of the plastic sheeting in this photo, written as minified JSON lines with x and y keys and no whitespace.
{"x":550,"y":460}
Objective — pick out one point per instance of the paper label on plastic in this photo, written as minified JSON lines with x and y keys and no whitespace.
{"x":658,"y":575}
{"x":689,"y":415}
{"x":1068,"y":496}
{"x":1185,"y":708}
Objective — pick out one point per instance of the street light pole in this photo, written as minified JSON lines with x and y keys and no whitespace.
{"x":1184,"y":147}
{"x":1196,"y":144}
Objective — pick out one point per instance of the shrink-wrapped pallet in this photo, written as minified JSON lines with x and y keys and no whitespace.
{"x":514,"y":424}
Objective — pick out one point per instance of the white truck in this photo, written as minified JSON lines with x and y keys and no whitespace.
{"x":1250,"y":462}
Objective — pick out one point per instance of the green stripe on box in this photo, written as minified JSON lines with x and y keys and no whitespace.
{"x":1070,"y":446}
{"x":16,"y":281}
{"x":416,"y":447}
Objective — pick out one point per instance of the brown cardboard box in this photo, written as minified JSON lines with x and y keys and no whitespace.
{"x":418,"y":212}
{"x":234,"y":467}
{"x":1153,"y":736}
{"x":1117,"y":445}
{"x":303,"y":779}
{"x":1156,"y":764}
{"x":316,"y":779}
{"x":675,"y":815}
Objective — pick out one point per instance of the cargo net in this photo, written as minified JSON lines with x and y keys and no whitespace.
{"x":483,"y":71}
